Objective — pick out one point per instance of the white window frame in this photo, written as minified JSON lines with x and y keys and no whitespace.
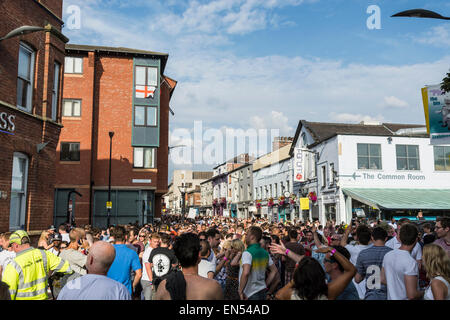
{"x":72,"y":108}
{"x":29,"y":100}
{"x":23,"y":192}
{"x":407,"y":157}
{"x":324,"y":176}
{"x":445,"y":160}
{"x":154,"y":164}
{"x":66,"y":70}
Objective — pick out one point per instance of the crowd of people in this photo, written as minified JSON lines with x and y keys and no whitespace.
{"x":222,"y":258}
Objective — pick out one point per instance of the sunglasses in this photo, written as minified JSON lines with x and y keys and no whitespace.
{"x":328,"y":260}
{"x":335,"y":239}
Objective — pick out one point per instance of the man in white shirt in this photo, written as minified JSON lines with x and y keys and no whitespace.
{"x":62,"y":230}
{"x":400,"y":272}
{"x":6,"y":255}
{"x":395,"y":242}
{"x":147,"y":274}
{"x":363,"y":237}
{"x":96,"y":285}
{"x":206,"y":269}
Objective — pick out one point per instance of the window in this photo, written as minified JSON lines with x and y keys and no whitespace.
{"x":70,"y":151}
{"x":55,"y":91}
{"x":407,"y":157}
{"x":73,"y":65}
{"x":146,"y":81}
{"x":145,"y":116}
{"x":17,"y":209}
{"x":71,"y":108}
{"x":249,"y":190}
{"x":144,"y":158}
{"x":25,"y":77}
{"x":369,"y":156}
{"x":442,"y":158}
{"x":324,"y":176}
{"x":331,"y":174}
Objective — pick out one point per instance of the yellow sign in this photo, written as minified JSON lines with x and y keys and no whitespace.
{"x":425,"y":108}
{"x":108,"y":204}
{"x":304,"y":203}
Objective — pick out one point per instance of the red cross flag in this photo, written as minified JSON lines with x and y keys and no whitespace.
{"x":145,"y":91}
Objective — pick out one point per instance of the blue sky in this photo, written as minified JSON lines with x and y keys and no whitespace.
{"x":269,"y":63}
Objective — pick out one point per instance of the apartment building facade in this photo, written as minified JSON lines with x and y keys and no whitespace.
{"x":115,"y":106}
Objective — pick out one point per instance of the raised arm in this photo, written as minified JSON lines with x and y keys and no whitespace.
{"x":345,"y":236}
{"x":281,"y":249}
{"x":338,"y":285}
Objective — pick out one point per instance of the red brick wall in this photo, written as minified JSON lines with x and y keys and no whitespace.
{"x":113,"y":105}
{"x":54,"y":6}
{"x":30,"y":130}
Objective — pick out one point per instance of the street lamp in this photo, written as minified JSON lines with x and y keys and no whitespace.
{"x":22,"y":31}
{"x":183,"y":189}
{"x":70,"y":217}
{"x":420,"y":13}
{"x":111,"y":135}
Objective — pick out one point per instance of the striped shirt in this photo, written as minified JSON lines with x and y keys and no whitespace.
{"x":372,"y":256}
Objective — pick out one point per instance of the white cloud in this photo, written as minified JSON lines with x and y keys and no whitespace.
{"x":395,"y":102}
{"x":438,"y":36}
{"x":354,"y":118}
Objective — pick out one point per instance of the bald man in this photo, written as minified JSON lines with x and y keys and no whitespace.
{"x":95,"y":285}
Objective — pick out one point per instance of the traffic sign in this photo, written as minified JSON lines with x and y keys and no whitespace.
{"x":108,"y":204}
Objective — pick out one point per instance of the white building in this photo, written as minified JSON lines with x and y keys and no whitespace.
{"x":272,"y":178}
{"x":383,"y":169}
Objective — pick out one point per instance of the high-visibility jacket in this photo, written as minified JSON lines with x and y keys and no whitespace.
{"x":27,"y":275}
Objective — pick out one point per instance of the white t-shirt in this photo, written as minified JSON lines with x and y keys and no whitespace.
{"x":5,"y":258}
{"x":354,"y":250}
{"x":257,"y":278}
{"x":204,"y":267}
{"x":395,"y":244}
{"x":145,"y":258}
{"x":65,"y":237}
{"x":397,"y":264}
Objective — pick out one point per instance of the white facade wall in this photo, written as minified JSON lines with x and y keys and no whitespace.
{"x":341,"y":151}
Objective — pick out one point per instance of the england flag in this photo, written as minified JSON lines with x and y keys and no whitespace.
{"x":145,"y":91}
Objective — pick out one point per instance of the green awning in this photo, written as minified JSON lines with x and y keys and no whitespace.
{"x":426,"y":199}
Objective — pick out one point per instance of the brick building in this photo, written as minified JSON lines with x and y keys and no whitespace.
{"x":31,"y":81}
{"x":116,"y":90}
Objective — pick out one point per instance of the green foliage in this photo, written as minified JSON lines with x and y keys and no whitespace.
{"x":445,"y":85}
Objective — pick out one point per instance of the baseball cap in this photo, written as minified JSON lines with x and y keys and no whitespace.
{"x":57,"y":237}
{"x":16,"y":237}
{"x":52,"y":227}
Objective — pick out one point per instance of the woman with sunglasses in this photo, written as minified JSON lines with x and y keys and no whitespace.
{"x":309,"y":282}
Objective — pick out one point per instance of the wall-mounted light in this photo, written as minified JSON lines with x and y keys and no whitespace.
{"x":389,"y":139}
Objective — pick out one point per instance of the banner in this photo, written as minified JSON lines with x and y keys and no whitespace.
{"x":436,"y":106}
{"x":192,"y":213}
{"x":299,"y":165}
{"x":304,"y":203}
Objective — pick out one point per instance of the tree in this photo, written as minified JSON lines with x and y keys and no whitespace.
{"x":445,"y":85}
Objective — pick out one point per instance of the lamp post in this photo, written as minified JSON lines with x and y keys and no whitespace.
{"x":182,"y":189}
{"x":22,"y":31}
{"x":111,"y":135}
{"x":70,"y":217}
{"x":420,"y":13}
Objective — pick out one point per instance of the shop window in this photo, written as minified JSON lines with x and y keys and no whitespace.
{"x":407,"y":157}
{"x":70,"y":151}
{"x":369,"y":156}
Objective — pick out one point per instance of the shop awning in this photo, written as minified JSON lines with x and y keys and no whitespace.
{"x":426,"y":199}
